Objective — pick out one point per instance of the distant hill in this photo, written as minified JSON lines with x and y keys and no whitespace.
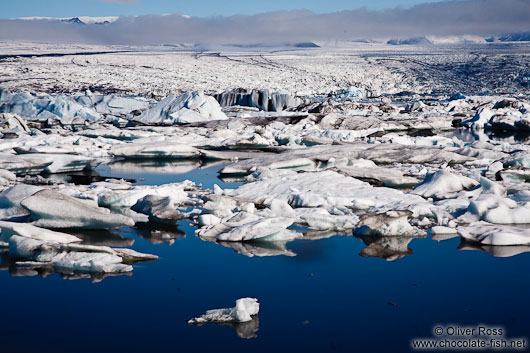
{"x":74,"y":20}
{"x":410,"y":41}
{"x":510,"y":37}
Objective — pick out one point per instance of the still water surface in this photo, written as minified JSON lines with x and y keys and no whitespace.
{"x":326,"y":298}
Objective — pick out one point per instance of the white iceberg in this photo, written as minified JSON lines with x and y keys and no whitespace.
{"x":243,"y":311}
{"x":190,"y":107}
{"x":391,"y":223}
{"x":8,"y":229}
{"x":442,"y":183}
{"x":161,"y":150}
{"x":492,"y":234}
{"x":74,"y":257}
{"x":51,"y":209}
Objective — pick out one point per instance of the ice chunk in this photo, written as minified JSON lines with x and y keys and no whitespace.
{"x":13,"y":123}
{"x":159,"y":209}
{"x":388,"y":248}
{"x":155,"y":150}
{"x":51,"y":209}
{"x":268,"y":229}
{"x":502,"y":214}
{"x":7,"y":178}
{"x":491,"y":234}
{"x":61,"y":163}
{"x":128,"y":196}
{"x":327,"y":189}
{"x":320,"y":219}
{"x":243,"y":311}
{"x":188,"y":108}
{"x":258,"y":248}
{"x":8,"y":229}
{"x":442,"y":183}
{"x":480,"y":119}
{"x":391,"y":223}
{"x":10,"y":200}
{"x":387,"y":176}
{"x":34,"y":107}
{"x":24,"y":164}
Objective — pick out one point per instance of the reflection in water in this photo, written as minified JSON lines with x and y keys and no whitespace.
{"x":102,"y":238}
{"x":139,"y":166}
{"x":245,"y":330}
{"x":28,"y":270}
{"x":258,"y":248}
{"x":4,"y":259}
{"x":388,"y":248}
{"x":496,"y":251}
{"x":442,"y":237}
{"x":159,"y":233}
{"x":470,"y":136}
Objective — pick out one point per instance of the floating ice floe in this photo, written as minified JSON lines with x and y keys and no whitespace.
{"x":24,"y":164}
{"x":190,"y":107}
{"x":75,"y":257}
{"x":10,"y":199}
{"x":268,"y":229}
{"x":42,"y":107}
{"x":7,"y":178}
{"x":258,"y":248}
{"x":43,"y":248}
{"x":126,"y":195}
{"x":493,"y":234}
{"x":480,"y":119}
{"x":327,"y":189}
{"x":168,"y":150}
{"x":51,"y":209}
{"x":243,"y":311}
{"x":62,"y":163}
{"x":14,"y":124}
{"x":245,"y":226}
{"x":442,"y":183}
{"x":8,"y":229}
{"x":307,"y":158}
{"x":159,"y":209}
{"x":388,"y":248}
{"x":490,"y":204}
{"x":371,"y":173}
{"x":391,"y":223}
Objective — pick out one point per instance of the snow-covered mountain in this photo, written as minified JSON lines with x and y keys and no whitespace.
{"x":511,"y":37}
{"x":76,"y":20}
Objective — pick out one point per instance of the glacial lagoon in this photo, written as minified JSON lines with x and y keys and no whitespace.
{"x":323,"y":293}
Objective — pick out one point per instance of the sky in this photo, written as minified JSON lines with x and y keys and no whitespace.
{"x":277,"y":25}
{"x":201,"y":8}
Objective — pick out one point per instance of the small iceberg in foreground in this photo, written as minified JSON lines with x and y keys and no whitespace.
{"x":243,"y":311}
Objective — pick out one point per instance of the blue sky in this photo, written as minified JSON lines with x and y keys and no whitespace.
{"x":69,"y":8}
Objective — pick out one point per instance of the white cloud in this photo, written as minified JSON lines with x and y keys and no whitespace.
{"x":468,"y":17}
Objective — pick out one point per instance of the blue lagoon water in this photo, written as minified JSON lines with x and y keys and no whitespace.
{"x":327,"y":298}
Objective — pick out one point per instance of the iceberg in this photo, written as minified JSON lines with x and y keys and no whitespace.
{"x":243,"y":311}
{"x":159,"y":209}
{"x":191,"y":107}
{"x":492,"y":234}
{"x":441,"y":183}
{"x":83,"y":258}
{"x":391,"y":223}
{"x":157,"y":150}
{"x":9,"y":229}
{"x":51,"y":209}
